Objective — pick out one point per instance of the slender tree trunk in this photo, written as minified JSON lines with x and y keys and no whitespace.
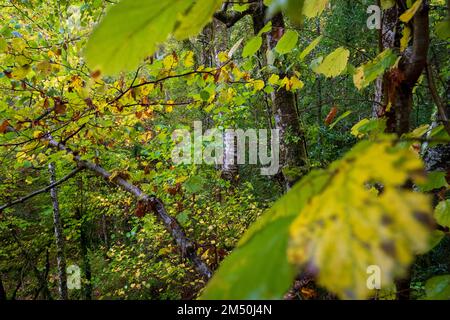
{"x":84,"y":246}
{"x":398,"y":84}
{"x":386,"y":40}
{"x":319,"y":84}
{"x":293,"y":152}
{"x":207,"y":52}
{"x":59,"y":237}
{"x":230,"y":167}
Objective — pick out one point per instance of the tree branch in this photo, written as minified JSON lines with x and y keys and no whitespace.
{"x":43,"y":190}
{"x":231,"y":18}
{"x":421,"y":39}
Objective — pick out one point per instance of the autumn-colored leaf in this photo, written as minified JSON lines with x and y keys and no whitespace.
{"x":331,"y":115}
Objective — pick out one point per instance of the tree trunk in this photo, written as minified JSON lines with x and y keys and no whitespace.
{"x":84,"y":247}
{"x":59,"y":237}
{"x":293,"y":152}
{"x":230,"y":167}
{"x":319,"y":84}
{"x":386,"y":40}
{"x":398,"y":84}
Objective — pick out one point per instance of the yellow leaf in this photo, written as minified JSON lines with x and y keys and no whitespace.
{"x":334,"y":64}
{"x":20,"y":73}
{"x":358,"y":78}
{"x":169,"y":108}
{"x":409,"y":14}
{"x":189,"y":59}
{"x":296,"y":83}
{"x":238,"y":74}
{"x":347,"y":228}
{"x":258,"y":84}
{"x":169,"y":62}
{"x":223,"y":57}
{"x":285,"y":83}
{"x":18,"y":44}
{"x":273,"y":80}
{"x":405,"y":39}
{"x":37,"y":134}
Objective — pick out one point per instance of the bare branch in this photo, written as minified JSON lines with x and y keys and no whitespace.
{"x":43,"y":190}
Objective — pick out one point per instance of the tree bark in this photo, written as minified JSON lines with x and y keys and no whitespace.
{"x":230,"y":167}
{"x":293,"y":152}
{"x":386,"y":40}
{"x":398,"y":84}
{"x":59,"y":237}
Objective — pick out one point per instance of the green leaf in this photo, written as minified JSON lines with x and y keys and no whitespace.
{"x":131,"y":31}
{"x":266,"y":28}
{"x":440,"y":135}
{"x":310,"y":48}
{"x":252,"y":46}
{"x":204,"y":95}
{"x":287,"y":42}
{"x":387,"y":4}
{"x":369,"y":71}
{"x":442,"y":213}
{"x":183,"y":218}
{"x":366,"y":127}
{"x":435,"y":238}
{"x":194,"y":184}
{"x":334,"y":64}
{"x":258,"y":267}
{"x":442,"y":29}
{"x":3,"y":45}
{"x":438,"y":288}
{"x":435,"y":180}
{"x":240,"y":8}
